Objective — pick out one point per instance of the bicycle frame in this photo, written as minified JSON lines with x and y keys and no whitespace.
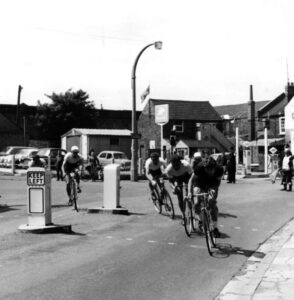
{"x":73,"y":190}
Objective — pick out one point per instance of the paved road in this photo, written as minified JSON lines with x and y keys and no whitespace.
{"x":140,"y":256}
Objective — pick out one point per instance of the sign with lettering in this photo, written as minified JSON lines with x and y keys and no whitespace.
{"x":161,"y":114}
{"x":36,"y":178}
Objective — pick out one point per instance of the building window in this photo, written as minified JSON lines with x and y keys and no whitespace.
{"x":114,"y":141}
{"x":198,"y":132}
{"x":282,"y":125}
{"x":179,"y":126}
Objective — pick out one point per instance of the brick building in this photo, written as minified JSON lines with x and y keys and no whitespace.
{"x":196,"y":123}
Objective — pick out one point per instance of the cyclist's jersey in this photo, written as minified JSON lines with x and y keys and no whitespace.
{"x":71,"y":163}
{"x":154,"y":170}
{"x":206,"y":181}
{"x":181,"y":175}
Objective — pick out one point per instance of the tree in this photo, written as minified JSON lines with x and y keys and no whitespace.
{"x":67,"y":111}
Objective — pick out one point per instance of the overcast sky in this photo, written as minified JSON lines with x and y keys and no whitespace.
{"x":212,"y":50}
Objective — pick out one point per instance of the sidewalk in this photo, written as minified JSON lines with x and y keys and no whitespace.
{"x":268,"y":273}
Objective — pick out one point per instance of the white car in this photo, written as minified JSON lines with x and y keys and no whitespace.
{"x":117,"y":157}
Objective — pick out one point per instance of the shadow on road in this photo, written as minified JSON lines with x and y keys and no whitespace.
{"x":136,"y":214}
{"x":225,"y":215}
{"x":5,"y":208}
{"x":226,"y":250}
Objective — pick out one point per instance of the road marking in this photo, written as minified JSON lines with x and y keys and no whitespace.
{"x":237,"y":227}
{"x":170,"y":243}
{"x":129,"y":239}
{"x":221,"y":225}
{"x":254,"y":229}
{"x":109,"y":237}
{"x":152,"y":241}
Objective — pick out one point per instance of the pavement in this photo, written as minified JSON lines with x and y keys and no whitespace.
{"x":268,"y":274}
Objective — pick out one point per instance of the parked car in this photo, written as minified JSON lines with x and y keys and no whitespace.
{"x":7,"y":152}
{"x":23,"y":158}
{"x":118,"y":157}
{"x":52,"y":152}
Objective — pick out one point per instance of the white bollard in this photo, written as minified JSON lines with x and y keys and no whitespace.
{"x":13,"y":164}
{"x":111,"y":186}
{"x":111,"y":192}
{"x":39,"y":203}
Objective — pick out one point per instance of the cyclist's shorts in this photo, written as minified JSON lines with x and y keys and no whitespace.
{"x":68,"y":168}
{"x":155,"y":173}
{"x":183,"y":179}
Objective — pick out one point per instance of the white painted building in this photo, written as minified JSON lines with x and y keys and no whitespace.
{"x":98,"y":140}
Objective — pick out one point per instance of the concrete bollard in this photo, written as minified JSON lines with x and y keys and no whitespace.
{"x":39,"y":203}
{"x":13,"y":164}
{"x":111,"y":192}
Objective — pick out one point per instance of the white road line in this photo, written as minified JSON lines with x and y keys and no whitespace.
{"x":237,"y":227}
{"x":221,"y":225}
{"x":170,"y":243}
{"x":129,"y":239}
{"x":152,"y":241}
{"x":254,"y":229}
{"x":109,"y":237}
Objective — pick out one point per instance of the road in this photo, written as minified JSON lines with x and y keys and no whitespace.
{"x":139,"y":256}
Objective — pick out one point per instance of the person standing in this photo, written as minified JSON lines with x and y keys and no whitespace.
{"x":287,"y":167}
{"x":58,"y":165}
{"x":231,"y":167}
{"x":93,"y":164}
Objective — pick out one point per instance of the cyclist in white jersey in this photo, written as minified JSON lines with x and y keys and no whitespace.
{"x":73,"y":162}
{"x":154,"y":168}
{"x":178,"y":172}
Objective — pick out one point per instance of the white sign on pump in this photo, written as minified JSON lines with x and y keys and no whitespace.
{"x":161,"y":114}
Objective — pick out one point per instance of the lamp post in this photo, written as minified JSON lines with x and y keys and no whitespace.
{"x":134,"y":149}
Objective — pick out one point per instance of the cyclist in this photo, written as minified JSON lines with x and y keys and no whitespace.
{"x":154,"y":168}
{"x":178,"y":172}
{"x":206,"y":178}
{"x":73,"y":162}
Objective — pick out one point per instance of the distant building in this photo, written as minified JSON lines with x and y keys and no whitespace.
{"x":196,"y":124}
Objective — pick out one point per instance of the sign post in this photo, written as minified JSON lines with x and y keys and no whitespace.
{"x":161,"y":118}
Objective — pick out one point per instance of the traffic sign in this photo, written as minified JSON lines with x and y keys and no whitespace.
{"x":273,"y":150}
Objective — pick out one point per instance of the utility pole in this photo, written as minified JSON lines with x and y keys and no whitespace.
{"x":18,"y":104}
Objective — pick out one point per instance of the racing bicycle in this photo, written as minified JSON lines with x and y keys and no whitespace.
{"x":162,"y":200}
{"x":206,"y":219}
{"x":73,"y":191}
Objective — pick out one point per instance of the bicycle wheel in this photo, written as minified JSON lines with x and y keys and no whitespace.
{"x":187,"y":217}
{"x":157,"y":202}
{"x":168,"y":205}
{"x":71,"y":198}
{"x":210,"y":239}
{"x":194,"y":219}
{"x":75,"y":196}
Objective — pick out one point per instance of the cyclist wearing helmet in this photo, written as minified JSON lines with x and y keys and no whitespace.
{"x":73,"y":162}
{"x":206,"y":178}
{"x":178,"y":172}
{"x":154,"y":168}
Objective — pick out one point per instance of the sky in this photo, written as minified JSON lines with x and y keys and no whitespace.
{"x":212,"y":50}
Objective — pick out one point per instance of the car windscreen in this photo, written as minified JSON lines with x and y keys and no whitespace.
{"x":15,"y":151}
{"x":120,"y":156}
{"x":43,"y":152}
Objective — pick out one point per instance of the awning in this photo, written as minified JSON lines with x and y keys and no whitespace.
{"x":270,"y":142}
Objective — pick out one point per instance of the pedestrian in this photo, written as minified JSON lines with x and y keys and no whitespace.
{"x":58,"y":165}
{"x":37,"y":162}
{"x":287,"y":167}
{"x":93,"y":164}
{"x":231,"y":167}
{"x":222,"y":162}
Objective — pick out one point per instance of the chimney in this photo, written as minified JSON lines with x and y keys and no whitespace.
{"x":289,"y":91}
{"x":251,"y":116}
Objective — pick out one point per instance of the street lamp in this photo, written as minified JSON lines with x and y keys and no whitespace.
{"x":134,"y":150}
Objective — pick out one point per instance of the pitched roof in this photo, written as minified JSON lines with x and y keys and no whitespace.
{"x":90,"y":131}
{"x":189,"y":110}
{"x":7,"y":126}
{"x":239,"y":111}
